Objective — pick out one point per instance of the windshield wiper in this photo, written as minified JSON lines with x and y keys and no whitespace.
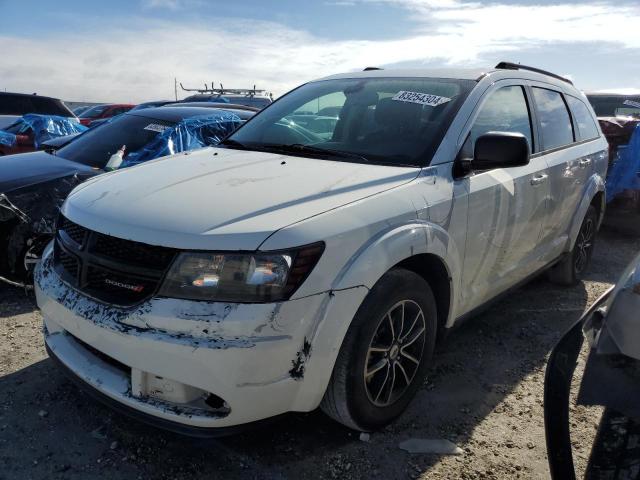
{"x":229,"y":142}
{"x":301,"y":148}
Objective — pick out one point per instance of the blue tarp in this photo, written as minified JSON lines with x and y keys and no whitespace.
{"x":189,"y":134}
{"x":7,"y":139}
{"x":624,"y":174}
{"x":43,"y":127}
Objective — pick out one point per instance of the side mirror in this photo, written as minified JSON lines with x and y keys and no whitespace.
{"x":500,"y":150}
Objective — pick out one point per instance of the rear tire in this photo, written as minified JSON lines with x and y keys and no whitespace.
{"x":385,"y":354}
{"x":571,"y":269}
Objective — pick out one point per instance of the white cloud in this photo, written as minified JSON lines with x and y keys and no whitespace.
{"x":164,"y":4}
{"x":139,"y":63}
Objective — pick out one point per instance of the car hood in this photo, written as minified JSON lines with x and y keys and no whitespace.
{"x":25,"y":169}
{"x":222,"y":199}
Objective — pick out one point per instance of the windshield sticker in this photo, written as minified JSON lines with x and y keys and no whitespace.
{"x":632,"y":103}
{"x":420,"y":98}
{"x":154,"y":127}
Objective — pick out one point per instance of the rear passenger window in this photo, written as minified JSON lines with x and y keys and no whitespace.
{"x":505,"y":110}
{"x":586,"y":124}
{"x":555,"y":121}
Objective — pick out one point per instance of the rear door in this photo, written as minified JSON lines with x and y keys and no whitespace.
{"x":507,"y":206}
{"x":570,"y":159}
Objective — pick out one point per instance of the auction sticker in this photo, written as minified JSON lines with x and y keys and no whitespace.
{"x":154,"y":127}
{"x":420,"y":98}
{"x":632,"y":103}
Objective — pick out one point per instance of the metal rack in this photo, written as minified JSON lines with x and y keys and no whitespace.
{"x":247,"y":92}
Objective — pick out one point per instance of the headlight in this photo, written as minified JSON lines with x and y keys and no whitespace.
{"x":240,"y":277}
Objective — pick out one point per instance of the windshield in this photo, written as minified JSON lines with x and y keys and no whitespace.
{"x":94,"y":112}
{"x":95,"y":147}
{"x":615,"y":105}
{"x":393,"y":121}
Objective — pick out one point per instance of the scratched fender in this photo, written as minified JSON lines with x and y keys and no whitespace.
{"x":596,"y":185}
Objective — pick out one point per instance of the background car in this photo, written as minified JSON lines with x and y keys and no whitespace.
{"x":57,"y":143}
{"x":259,"y":101}
{"x":104,"y":111}
{"x":618,"y":115}
{"x":619,"y":119}
{"x":34,"y":185}
{"x":155,"y":103}
{"x":14,"y":105}
{"x":30,"y":131}
{"x":78,"y":110}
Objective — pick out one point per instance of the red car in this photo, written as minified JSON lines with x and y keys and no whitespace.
{"x":107,"y":110}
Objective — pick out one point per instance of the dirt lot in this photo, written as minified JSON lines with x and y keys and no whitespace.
{"x":484,"y":393}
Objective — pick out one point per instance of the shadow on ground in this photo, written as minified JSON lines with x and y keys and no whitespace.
{"x":15,"y":301}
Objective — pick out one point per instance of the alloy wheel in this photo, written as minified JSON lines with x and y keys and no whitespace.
{"x":395,"y":353}
{"x":584,"y":244}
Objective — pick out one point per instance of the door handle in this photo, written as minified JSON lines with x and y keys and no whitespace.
{"x":585,"y":162}
{"x":538,"y":179}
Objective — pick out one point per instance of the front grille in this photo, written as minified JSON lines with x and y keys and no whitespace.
{"x":109,"y":269}
{"x":73,"y":230}
{"x":132,"y":252}
{"x":68,"y":262}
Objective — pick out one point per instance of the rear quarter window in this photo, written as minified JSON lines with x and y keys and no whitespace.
{"x":554,"y":118}
{"x":586,"y":124}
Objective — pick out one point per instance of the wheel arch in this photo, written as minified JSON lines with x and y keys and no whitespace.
{"x":434,"y":271}
{"x":594,"y":194}
{"x":599,"y":201}
{"x":422,"y":247}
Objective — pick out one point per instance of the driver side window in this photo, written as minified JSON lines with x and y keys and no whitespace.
{"x":506,"y":110}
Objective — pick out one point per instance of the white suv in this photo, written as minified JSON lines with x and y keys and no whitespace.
{"x":285,"y":271}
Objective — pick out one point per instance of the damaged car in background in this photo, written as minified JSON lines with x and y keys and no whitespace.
{"x":14,"y":105}
{"x":32,"y":132}
{"x":34,"y":185}
{"x":281,"y":272}
{"x":619,"y":117}
{"x":611,"y":379}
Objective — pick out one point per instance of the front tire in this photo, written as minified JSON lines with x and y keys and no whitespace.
{"x":570,"y":270}
{"x":385,"y":354}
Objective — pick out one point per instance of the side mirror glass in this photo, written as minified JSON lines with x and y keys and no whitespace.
{"x":500,"y":150}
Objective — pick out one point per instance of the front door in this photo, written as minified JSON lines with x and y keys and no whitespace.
{"x":506,"y":206}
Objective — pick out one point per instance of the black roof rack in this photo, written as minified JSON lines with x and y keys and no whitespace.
{"x":368,"y":69}
{"x":517,"y":66}
{"x":248,"y":92}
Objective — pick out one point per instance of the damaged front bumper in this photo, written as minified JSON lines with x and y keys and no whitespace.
{"x":197,"y":365}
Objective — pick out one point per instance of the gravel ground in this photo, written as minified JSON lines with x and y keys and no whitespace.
{"x":484,"y":393}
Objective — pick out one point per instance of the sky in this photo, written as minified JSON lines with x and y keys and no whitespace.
{"x":131,"y":50}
